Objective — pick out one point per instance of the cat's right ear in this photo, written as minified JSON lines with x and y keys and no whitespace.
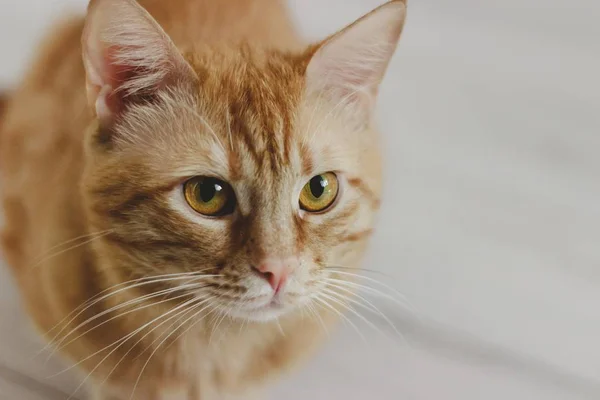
{"x":349,"y":66}
{"x":127,"y":57}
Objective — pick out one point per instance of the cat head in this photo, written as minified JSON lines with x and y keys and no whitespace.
{"x":248,"y":176}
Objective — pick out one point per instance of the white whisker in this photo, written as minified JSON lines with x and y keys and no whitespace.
{"x":372,"y":291}
{"x":372,"y":280}
{"x":341,"y":315}
{"x":96,"y":298}
{"x":315,"y":313}
{"x":223,"y":315}
{"x":60,"y":344}
{"x":353,"y":311}
{"x":100,"y":297}
{"x":368,"y":305}
{"x":184,"y":312}
{"x":196,"y":322}
{"x":122,"y":341}
{"x":280,"y":327}
{"x":48,"y":251}
{"x":401,"y":300}
{"x":51,"y":256}
{"x":164,"y":340}
{"x":242,"y":325}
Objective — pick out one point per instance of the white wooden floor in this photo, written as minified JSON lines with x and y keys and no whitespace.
{"x":491,"y":224}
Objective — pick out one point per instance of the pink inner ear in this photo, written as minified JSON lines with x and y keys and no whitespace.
{"x":352,"y":78}
{"x":350,"y":65}
{"x":120,"y":75}
{"x":348,"y":84}
{"x":114,"y":75}
{"x":117,"y":75}
{"x":127,"y":56}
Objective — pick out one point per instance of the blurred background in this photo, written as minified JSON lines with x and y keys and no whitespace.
{"x":491,"y":218}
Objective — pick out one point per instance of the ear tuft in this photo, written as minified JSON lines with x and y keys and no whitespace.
{"x":350,"y":65}
{"x":126,"y":55}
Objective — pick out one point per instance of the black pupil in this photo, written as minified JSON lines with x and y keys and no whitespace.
{"x":208,"y":189}
{"x":318,"y":185}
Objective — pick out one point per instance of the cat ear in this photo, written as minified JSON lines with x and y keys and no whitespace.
{"x":350,"y":65}
{"x":127,"y":57}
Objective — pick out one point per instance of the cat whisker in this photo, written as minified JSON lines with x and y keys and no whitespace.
{"x":135,"y":344}
{"x":49,"y":251}
{"x":61,"y":344}
{"x":122,"y":341}
{"x":166,"y":338}
{"x":191,"y":285}
{"x":280,"y":327}
{"x":338,"y":301}
{"x":360,"y":269}
{"x":354,"y":286}
{"x":328,"y":306}
{"x":313,"y":312}
{"x":243,"y":325}
{"x":401,"y":300}
{"x":104,"y":295}
{"x":178,"y":322}
{"x":195,"y":322}
{"x":56,"y":254}
{"x":366,"y":305}
{"x":337,"y":270}
{"x":223,"y":314}
{"x":142,"y":279}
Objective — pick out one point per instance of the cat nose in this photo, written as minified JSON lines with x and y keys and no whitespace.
{"x":276,"y":271}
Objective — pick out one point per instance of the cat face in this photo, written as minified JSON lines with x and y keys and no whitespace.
{"x":249,"y":176}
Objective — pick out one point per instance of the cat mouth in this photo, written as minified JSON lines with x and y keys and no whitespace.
{"x":269,"y":310}
{"x":275,"y":303}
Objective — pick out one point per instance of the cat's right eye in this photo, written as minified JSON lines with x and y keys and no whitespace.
{"x":209,"y":196}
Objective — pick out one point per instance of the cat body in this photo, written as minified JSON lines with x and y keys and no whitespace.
{"x":149,"y":286}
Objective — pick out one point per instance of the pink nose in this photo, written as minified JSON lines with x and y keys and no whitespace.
{"x":276,"y":271}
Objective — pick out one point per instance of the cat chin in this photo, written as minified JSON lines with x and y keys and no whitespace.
{"x":267,"y":313}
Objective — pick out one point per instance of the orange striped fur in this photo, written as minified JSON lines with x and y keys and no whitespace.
{"x":93,"y":155}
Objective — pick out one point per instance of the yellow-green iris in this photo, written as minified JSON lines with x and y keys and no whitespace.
{"x":209,"y":196}
{"x":319,"y":193}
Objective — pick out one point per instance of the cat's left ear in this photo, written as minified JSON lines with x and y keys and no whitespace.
{"x":349,"y":66}
{"x":127,"y":57}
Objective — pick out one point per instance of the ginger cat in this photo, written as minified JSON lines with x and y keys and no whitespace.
{"x":186,"y":184}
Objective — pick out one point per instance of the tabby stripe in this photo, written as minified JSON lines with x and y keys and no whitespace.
{"x":306,"y":160}
{"x":356,"y":236}
{"x":145,"y":243}
{"x":362,"y":187}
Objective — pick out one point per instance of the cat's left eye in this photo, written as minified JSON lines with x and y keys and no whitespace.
{"x":319,"y":193}
{"x":209,"y":196}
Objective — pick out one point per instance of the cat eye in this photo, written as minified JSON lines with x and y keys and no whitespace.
{"x":319,"y":193}
{"x":209,"y":196}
